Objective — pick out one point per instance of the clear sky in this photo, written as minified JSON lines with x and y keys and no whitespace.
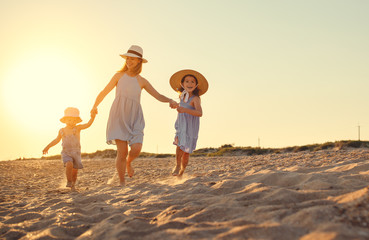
{"x":289,"y":72}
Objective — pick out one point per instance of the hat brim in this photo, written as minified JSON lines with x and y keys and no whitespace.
{"x":125,"y":55}
{"x":175,"y":80}
{"x":78,"y":119}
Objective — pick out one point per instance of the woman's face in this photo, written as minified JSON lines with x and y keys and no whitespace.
{"x":189,"y":84}
{"x":131,"y":62}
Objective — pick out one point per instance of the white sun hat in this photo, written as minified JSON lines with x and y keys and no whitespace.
{"x":71,"y":112}
{"x":134,"y":51}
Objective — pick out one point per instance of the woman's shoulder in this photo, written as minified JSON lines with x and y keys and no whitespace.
{"x":119,"y":74}
{"x":143,"y":81}
{"x":141,"y":78}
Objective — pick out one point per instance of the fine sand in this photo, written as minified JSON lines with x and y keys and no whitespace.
{"x":305,"y":195}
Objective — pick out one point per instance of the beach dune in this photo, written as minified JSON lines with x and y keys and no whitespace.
{"x":304,"y":195}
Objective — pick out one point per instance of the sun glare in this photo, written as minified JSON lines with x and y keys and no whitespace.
{"x":41,"y":86}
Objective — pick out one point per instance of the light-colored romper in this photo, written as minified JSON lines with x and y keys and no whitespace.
{"x":71,"y":149}
{"x":126,"y":121}
{"x":187,"y":129}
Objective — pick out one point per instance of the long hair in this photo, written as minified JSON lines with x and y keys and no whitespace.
{"x":137,"y":70}
{"x":194,"y":92}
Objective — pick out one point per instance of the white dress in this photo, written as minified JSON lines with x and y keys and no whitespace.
{"x":126,"y":121}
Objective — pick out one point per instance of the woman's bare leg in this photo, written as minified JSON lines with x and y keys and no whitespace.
{"x":133,"y":154}
{"x":120,"y":161}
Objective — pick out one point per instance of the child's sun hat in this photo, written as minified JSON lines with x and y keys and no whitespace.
{"x":134,"y":51}
{"x":175,"y":80}
{"x":71,"y":112}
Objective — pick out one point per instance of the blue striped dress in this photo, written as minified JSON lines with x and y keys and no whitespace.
{"x":187,"y":129}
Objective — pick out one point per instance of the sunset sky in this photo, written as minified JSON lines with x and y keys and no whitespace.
{"x":289,"y":72}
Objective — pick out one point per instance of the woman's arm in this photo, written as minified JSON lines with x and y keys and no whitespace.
{"x":197,"y":112}
{"x":151,"y":90}
{"x":106,"y":90}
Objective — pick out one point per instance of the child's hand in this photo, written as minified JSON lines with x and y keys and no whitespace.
{"x":173,"y":104}
{"x":45,"y":151}
{"x":93,"y":112}
{"x":181,"y":109}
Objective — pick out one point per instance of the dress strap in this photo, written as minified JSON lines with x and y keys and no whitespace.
{"x":185,"y":94}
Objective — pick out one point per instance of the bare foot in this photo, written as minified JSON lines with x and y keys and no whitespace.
{"x":73,"y":186}
{"x":69,"y":184}
{"x":181,"y":173}
{"x":122,"y":184}
{"x":175,"y":171}
{"x":130,"y":170}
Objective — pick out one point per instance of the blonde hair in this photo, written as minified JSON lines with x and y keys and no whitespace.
{"x":137,"y":70}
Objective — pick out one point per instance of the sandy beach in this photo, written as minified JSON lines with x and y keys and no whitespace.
{"x":304,"y":195}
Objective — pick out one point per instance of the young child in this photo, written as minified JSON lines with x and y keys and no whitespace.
{"x":191,"y":85}
{"x":70,"y":136}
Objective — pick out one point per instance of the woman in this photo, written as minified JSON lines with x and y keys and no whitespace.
{"x":126,"y":122}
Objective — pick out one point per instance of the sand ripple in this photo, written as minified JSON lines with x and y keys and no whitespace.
{"x":305,"y":195}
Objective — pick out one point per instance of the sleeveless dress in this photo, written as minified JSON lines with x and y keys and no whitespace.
{"x":187,"y":129}
{"x":126,"y":121}
{"x":71,"y":149}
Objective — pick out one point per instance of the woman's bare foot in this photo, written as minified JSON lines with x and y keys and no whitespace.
{"x":130,"y":170}
{"x":73,"y":187}
{"x":175,"y":171}
{"x":122,"y":184}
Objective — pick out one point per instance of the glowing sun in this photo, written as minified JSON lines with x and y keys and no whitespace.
{"x":38,"y":89}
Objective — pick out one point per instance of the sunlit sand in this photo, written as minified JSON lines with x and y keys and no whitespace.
{"x":304,"y":195}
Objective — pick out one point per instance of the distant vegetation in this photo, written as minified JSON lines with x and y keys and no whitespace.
{"x":231,"y":150}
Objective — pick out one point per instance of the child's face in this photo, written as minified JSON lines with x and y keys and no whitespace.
{"x":70,"y":121}
{"x":131,"y":62}
{"x":189,"y":84}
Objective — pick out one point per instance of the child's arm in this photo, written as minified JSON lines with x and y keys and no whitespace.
{"x":87,"y":125}
{"x":53,"y":143}
{"x":197,"y":112}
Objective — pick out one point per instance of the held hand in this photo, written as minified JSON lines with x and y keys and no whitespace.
{"x":94,"y":112}
{"x":173,"y":104}
{"x":181,"y":109}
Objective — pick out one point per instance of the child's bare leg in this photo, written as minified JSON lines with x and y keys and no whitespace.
{"x":69,"y":173}
{"x":74,"y":177}
{"x":133,"y":154}
{"x":74,"y":174}
{"x":120,"y":161}
{"x":185,"y":158}
{"x":179,"y":154}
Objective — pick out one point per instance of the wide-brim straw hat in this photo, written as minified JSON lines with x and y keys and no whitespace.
{"x":71,"y":112}
{"x":175,"y":80}
{"x":134,"y":51}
